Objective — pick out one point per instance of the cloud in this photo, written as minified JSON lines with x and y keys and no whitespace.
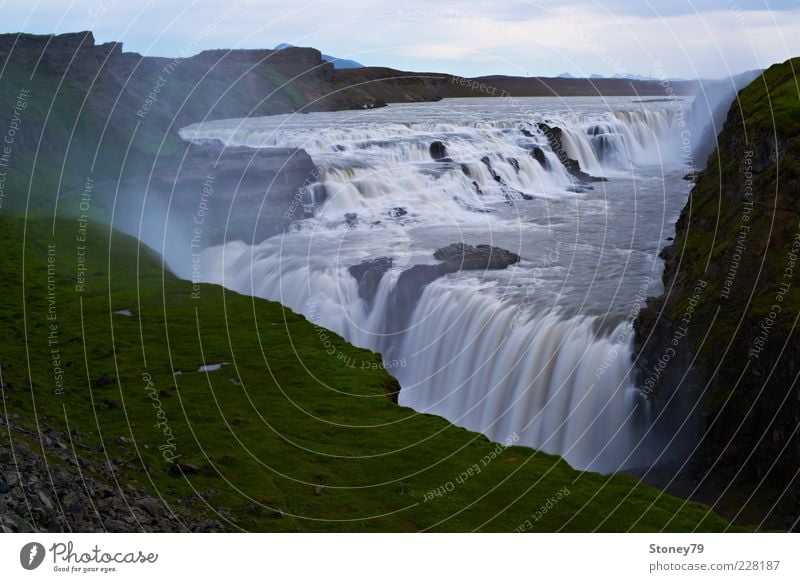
{"x":704,"y":37}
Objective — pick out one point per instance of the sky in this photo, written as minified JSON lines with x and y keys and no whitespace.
{"x":657,"y":38}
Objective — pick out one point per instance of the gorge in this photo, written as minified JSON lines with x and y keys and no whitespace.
{"x":508,"y":258}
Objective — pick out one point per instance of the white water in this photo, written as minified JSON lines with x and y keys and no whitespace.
{"x":540,"y":350}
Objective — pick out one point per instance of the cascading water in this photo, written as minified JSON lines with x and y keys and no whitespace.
{"x":539,"y":350}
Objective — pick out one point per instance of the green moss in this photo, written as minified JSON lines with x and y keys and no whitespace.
{"x":772,"y":101}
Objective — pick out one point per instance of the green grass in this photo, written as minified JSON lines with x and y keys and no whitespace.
{"x":299,"y":418}
{"x":771,"y":100}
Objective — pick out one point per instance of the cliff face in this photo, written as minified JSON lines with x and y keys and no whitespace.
{"x":718,"y":352}
{"x":95,"y":112}
{"x":232,"y":193}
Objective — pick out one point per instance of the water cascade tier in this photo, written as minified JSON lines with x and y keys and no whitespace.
{"x":495,"y":252}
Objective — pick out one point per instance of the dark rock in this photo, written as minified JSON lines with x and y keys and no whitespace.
{"x":438,"y":151}
{"x":495,"y":176}
{"x":538,"y":155}
{"x":398,"y":212}
{"x":407,"y":291}
{"x":460,"y":256}
{"x":454,"y":257}
{"x":351,"y":219}
{"x":75,"y":508}
{"x":554,"y":137}
{"x":392,"y":387}
{"x":368,"y":275}
{"x":728,"y":400}
{"x":152,"y":506}
{"x":11,"y":477}
{"x":4,"y":488}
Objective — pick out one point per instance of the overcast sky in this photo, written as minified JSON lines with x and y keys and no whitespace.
{"x":673,"y":38}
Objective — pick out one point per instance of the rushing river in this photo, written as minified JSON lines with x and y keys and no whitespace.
{"x":539,"y":352}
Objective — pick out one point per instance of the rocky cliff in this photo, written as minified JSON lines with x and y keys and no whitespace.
{"x":718,"y":353}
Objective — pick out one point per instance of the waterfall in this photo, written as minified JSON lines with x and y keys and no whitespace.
{"x":492,"y":351}
{"x":553,"y":382}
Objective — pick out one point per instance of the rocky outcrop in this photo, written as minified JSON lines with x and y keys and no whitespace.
{"x":48,"y":483}
{"x":554,"y":138}
{"x":538,"y":154}
{"x":438,"y":151}
{"x":717,"y":353}
{"x":455,"y":257}
{"x":463,"y":257}
{"x":369,"y":275}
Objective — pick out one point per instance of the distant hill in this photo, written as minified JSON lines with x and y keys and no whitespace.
{"x":335,"y":61}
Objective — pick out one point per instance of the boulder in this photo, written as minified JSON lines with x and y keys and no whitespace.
{"x":438,"y":151}
{"x":460,"y":256}
{"x":538,"y":155}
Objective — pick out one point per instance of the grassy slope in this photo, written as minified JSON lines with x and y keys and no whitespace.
{"x":299,"y":418}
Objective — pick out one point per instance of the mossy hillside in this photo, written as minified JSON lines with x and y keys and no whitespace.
{"x":770,"y":102}
{"x":280,"y":420}
{"x":766,"y":113}
{"x":742,"y":354}
{"x":75,"y":129}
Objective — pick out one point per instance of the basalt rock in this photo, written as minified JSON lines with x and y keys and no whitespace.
{"x":460,"y":256}
{"x":438,"y":151}
{"x":368,"y":275}
{"x":453,"y":258}
{"x":717,"y":354}
{"x":538,"y":155}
